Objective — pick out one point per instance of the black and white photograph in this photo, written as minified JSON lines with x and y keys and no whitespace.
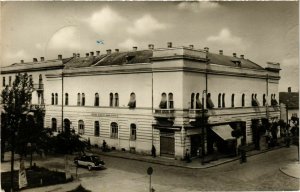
{"x":149,"y":96}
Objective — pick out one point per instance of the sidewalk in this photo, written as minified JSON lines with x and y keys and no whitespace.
{"x":195,"y":164}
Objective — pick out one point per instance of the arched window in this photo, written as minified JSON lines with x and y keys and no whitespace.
{"x":97,"y":129}
{"x":223,"y":100}
{"x":243,"y":100}
{"x":192,"y":100}
{"x":54,"y":124}
{"x":56,"y":99}
{"x":219,"y":100}
{"x":96,"y":99}
{"x":133,"y":132}
{"x":198,"y":102}
{"x":264,"y":100}
{"x":66,"y":99}
{"x":83,"y":99}
{"x":171,"y":102}
{"x":52,"y":99}
{"x":254,"y":101}
{"x":114,"y":130}
{"x":111,"y":99}
{"x":67,"y":125}
{"x":78,"y":99}
{"x":116,"y":100}
{"x":40,"y":81}
{"x":209,"y":102}
{"x":163,"y":102}
{"x":132,"y":101}
{"x":80,"y":127}
{"x":9,"y":81}
{"x":232,"y":100}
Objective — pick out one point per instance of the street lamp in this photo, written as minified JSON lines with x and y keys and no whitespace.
{"x":203,"y":127}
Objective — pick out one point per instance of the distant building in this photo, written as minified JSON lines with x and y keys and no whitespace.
{"x":291,"y":101}
{"x":137,"y":99}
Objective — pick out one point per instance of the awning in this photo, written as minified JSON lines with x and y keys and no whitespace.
{"x":224,"y":131}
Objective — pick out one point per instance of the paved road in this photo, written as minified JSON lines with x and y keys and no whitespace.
{"x":261,"y":172}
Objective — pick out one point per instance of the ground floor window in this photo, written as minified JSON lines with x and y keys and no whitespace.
{"x":114,"y":130}
{"x":133,"y":132}
{"x":54,"y":124}
{"x":80,"y":127}
{"x":97,"y":129}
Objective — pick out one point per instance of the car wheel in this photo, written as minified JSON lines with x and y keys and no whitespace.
{"x":89,"y":167}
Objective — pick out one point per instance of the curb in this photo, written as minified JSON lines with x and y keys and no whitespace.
{"x":184,"y":166}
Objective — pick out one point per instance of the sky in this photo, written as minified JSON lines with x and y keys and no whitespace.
{"x":262,"y":31}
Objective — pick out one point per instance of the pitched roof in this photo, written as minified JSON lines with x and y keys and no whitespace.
{"x":77,"y":62}
{"x":232,"y":61}
{"x":291,"y":99}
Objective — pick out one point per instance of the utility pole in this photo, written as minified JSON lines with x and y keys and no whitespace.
{"x":203,"y":127}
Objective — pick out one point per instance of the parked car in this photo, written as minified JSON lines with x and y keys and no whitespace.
{"x":89,"y":161}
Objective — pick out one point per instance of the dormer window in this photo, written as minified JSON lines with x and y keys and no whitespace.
{"x":129,"y":58}
{"x":237,"y":62}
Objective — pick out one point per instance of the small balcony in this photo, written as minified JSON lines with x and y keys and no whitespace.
{"x":164,"y":113}
{"x":38,"y":87}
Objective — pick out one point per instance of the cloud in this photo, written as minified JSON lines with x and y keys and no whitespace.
{"x":145,"y":25}
{"x":128,"y":43}
{"x":104,"y":21}
{"x":197,"y":6}
{"x":225,"y":37}
{"x":65,"y":38}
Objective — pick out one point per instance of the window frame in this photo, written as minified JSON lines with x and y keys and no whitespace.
{"x":97,"y":129}
{"x":133,"y":132}
{"x":80,"y":127}
{"x":114,"y":130}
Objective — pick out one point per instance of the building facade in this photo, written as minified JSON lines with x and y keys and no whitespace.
{"x":174,"y":98}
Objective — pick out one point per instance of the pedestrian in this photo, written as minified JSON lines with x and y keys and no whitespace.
{"x":104,"y":146}
{"x":242,"y":151}
{"x":187,"y":156}
{"x":153,"y":151}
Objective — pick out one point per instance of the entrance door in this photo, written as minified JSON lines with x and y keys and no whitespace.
{"x":195,"y":144}
{"x":67,"y":124}
{"x":167,"y":144}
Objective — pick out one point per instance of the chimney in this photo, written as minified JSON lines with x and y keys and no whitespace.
{"x":74,"y":55}
{"x":87,"y":54}
{"x":242,"y":57}
{"x":34,"y":59}
{"x":234,"y":54}
{"x":134,"y":48}
{"x":206,"y":49}
{"x":108,"y":51}
{"x":92,"y":53}
{"x":220,"y":52}
{"x":59,"y":57}
{"x":289,"y":89}
{"x":151,"y":46}
{"x":169,"y":44}
{"x":117,"y":50}
{"x":78,"y":55}
{"x":22,"y":61}
{"x":191,"y":46}
{"x":42,"y":59}
{"x":98,"y":53}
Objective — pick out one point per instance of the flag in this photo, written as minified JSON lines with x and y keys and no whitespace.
{"x":22,"y":175}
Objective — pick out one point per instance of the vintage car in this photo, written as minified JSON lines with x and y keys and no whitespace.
{"x":89,"y":161}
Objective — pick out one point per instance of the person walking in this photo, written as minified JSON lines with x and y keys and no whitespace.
{"x":153,"y":151}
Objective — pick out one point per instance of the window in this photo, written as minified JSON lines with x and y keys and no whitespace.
{"x":192,"y":100}
{"x":243,"y":100}
{"x":56,"y":99}
{"x":66,"y":99}
{"x":223,"y":100}
{"x":80,"y":127}
{"x":54,"y":124}
{"x":133,"y":132}
{"x":83,"y":99}
{"x":9,"y":81}
{"x":209,"y":102}
{"x":111,"y":99}
{"x":198,"y":103}
{"x":3,"y":81}
{"x":219,"y":100}
{"x":114,"y":130}
{"x":52,"y":99}
{"x":163,"y":102}
{"x":40,"y":79}
{"x":132,"y":101}
{"x":96,"y":99}
{"x":78,"y":99}
{"x":116,"y":100}
{"x":273,"y":100}
{"x":264,"y":100}
{"x":232,"y":100}
{"x":254,"y":101}
{"x":97,"y":129}
{"x":171,"y":102}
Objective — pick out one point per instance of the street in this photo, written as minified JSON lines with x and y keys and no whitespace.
{"x":261,"y":172}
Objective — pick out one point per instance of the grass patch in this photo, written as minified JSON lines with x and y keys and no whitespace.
{"x":36,"y":177}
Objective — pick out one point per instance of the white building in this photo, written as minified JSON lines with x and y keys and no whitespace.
{"x":137,"y":99}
